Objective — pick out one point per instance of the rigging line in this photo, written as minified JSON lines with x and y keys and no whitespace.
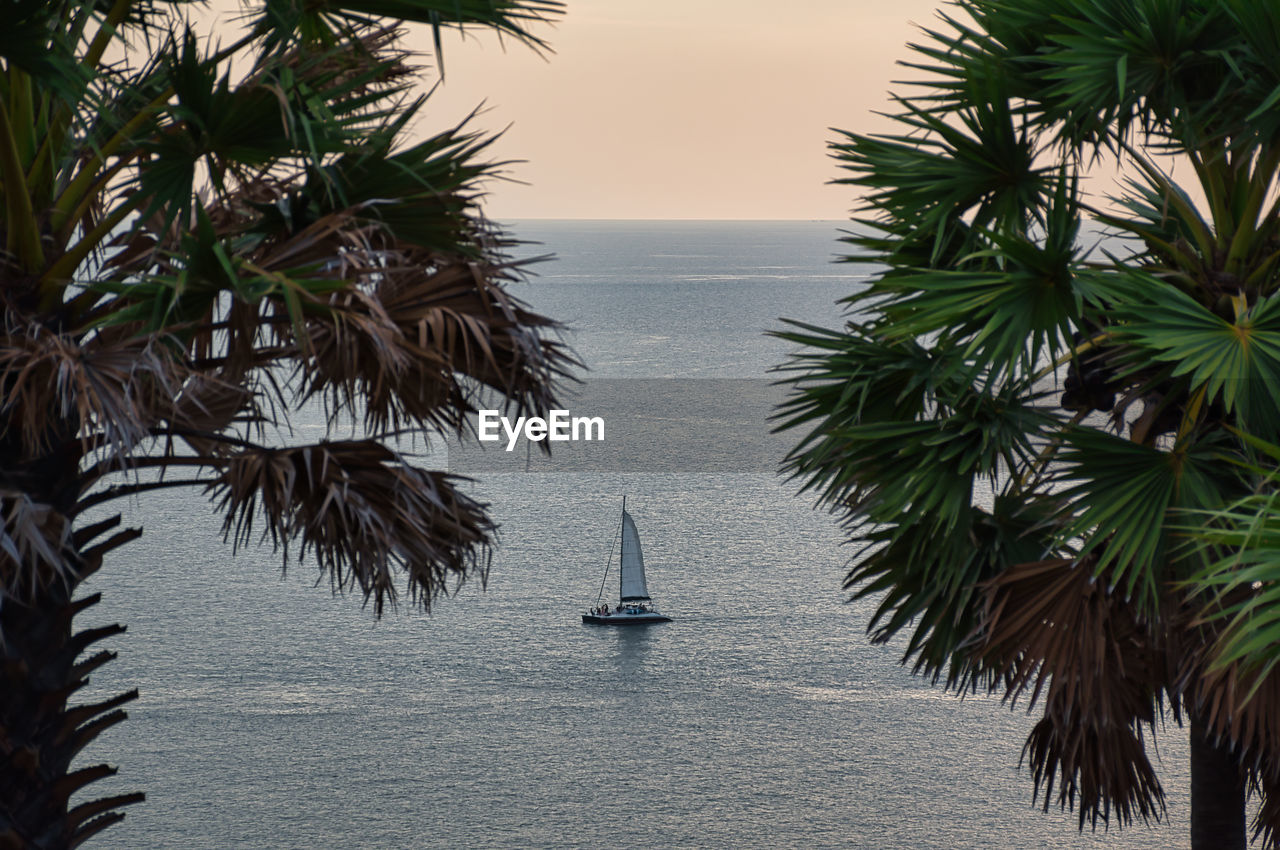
{"x":608,"y":563}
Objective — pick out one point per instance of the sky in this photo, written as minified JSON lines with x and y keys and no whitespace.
{"x":680,"y":109}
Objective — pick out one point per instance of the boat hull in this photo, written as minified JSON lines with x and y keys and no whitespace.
{"x":623,"y":619}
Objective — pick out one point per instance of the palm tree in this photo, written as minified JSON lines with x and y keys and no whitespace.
{"x":198,"y":239}
{"x":1041,"y":391}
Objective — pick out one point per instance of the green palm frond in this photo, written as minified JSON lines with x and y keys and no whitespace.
{"x":420,"y":195}
{"x":1022,"y":308}
{"x":937,"y":180}
{"x":27,"y":42}
{"x":1236,"y":361}
{"x":891,"y":426}
{"x":1120,"y":496}
{"x":1238,"y":587}
{"x":1105,"y":370}
{"x":929,"y":582}
{"x":1258,"y":24}
{"x":1151,"y":59}
{"x":1245,"y":583}
{"x":284,"y":22}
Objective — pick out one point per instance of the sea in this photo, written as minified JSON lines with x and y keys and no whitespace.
{"x":274,"y":713}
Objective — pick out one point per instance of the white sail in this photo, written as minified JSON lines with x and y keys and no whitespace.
{"x":633,"y":587}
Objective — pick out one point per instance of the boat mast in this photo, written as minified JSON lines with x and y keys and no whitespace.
{"x":622,"y":544}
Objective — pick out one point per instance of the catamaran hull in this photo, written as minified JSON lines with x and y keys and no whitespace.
{"x":625,"y":619}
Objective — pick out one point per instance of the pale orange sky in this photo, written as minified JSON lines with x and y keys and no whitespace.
{"x":681,"y":108}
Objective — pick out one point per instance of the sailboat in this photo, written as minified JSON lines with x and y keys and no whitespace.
{"x":634,"y":606}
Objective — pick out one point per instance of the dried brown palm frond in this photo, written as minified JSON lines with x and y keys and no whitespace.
{"x":1049,"y":624}
{"x":34,"y":547}
{"x":235,"y":210}
{"x":207,"y":405}
{"x":237,"y":347}
{"x":360,"y":357}
{"x":59,"y":388}
{"x":414,"y":347}
{"x":1235,"y":703}
{"x":1265,"y":783}
{"x":363,"y":511}
{"x":463,"y":310}
{"x":1100,"y":766}
{"x":337,"y":240}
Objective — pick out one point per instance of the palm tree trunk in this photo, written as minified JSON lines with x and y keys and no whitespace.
{"x":41,"y":733}
{"x":1217,"y":793}
{"x":45,"y":661}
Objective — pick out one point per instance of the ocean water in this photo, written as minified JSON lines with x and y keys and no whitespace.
{"x":274,"y":714}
